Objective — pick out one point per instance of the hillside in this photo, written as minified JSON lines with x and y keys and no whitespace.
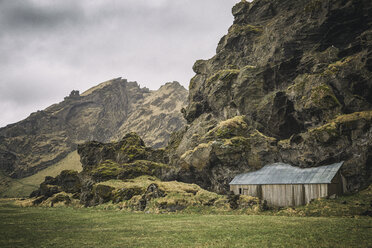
{"x":290,"y":82}
{"x":102,"y":113}
{"x":23,"y":187}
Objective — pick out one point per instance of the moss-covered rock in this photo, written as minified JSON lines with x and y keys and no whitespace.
{"x":214,"y":163}
{"x":248,"y":204}
{"x":106,"y":157}
{"x":60,"y":198}
{"x":106,"y":171}
{"x":224,"y":75}
{"x":49,"y":190}
{"x":172,"y":196}
{"x":141,"y":167}
{"x":350,"y":124}
{"x":102,"y":193}
{"x":323,"y":97}
{"x":112,"y":170}
{"x":124,"y":194}
{"x":125,"y":159}
{"x":236,"y":126}
{"x":67,"y":181}
{"x":238,"y":29}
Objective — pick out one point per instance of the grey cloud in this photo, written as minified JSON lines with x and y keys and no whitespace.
{"x":22,"y":15}
{"x":49,"y":47}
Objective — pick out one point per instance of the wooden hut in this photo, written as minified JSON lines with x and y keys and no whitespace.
{"x":282,"y":185}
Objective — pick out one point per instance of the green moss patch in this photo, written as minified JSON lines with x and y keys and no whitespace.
{"x":106,"y":170}
{"x":244,"y":29}
{"x":198,"y":157}
{"x":332,"y":130}
{"x":236,"y":126}
{"x":332,"y":126}
{"x":223,"y":75}
{"x":133,"y":147}
{"x":192,"y":82}
{"x":135,"y":152}
{"x":139,"y":168}
{"x":341,"y":63}
{"x":323,"y":97}
{"x":366,"y":115}
{"x":131,"y":139}
{"x":112,"y":170}
{"x":237,"y":141}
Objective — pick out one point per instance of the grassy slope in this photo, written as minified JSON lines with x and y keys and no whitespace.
{"x":356,"y":204}
{"x":89,"y":227}
{"x":23,"y":187}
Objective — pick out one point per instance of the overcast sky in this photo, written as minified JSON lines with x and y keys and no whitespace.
{"x":50,"y":47}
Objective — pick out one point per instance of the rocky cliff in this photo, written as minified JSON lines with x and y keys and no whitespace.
{"x":291,"y":81}
{"x":102,"y":113}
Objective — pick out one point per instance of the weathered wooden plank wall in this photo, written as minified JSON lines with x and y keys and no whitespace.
{"x":252,"y":190}
{"x":285,"y":194}
{"x":314,"y":191}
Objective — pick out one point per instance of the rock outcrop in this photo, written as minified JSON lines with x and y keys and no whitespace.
{"x":126,"y":173}
{"x":68,"y":181}
{"x":291,"y":82}
{"x":126,"y":159}
{"x":128,"y":155}
{"x":102,"y":113}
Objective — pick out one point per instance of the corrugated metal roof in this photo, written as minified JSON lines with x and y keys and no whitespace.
{"x":281,"y":173}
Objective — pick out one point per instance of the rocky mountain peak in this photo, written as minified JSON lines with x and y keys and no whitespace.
{"x":102,"y":113}
{"x":155,"y":112}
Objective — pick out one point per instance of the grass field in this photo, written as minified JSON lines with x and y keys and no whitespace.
{"x":89,"y":227}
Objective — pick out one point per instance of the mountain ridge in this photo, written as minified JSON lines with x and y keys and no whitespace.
{"x":47,"y":136}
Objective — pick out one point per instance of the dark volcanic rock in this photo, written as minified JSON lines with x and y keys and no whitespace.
{"x":299,"y":75}
{"x":347,"y":138}
{"x":103,"y":113}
